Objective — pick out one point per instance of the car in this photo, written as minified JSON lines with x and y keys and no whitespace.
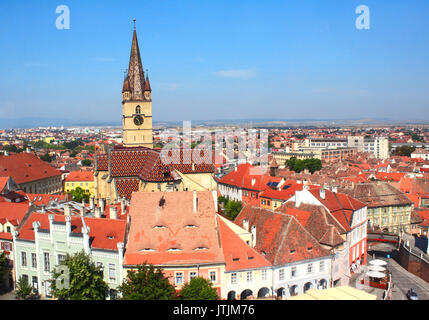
{"x":412,"y":295}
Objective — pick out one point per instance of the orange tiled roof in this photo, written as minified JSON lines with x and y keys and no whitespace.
{"x":172,"y":234}
{"x":26,"y":167}
{"x":238,"y":255}
{"x":80,"y":176}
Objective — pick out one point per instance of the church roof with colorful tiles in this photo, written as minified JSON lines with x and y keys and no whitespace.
{"x":153,"y":165}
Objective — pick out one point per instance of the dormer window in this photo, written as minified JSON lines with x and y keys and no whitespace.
{"x":191,"y":226}
{"x":160,"y":226}
{"x":201,"y":248}
{"x":147,"y":250}
{"x":174,"y":249}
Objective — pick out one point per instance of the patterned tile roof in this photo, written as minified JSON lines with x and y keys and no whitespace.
{"x":125,"y":187}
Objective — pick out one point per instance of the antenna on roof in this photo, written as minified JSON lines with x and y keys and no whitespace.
{"x":162,"y":202}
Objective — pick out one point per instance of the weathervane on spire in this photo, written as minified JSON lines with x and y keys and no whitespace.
{"x":134,"y":24}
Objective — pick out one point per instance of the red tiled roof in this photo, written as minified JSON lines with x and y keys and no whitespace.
{"x":80,"y":176}
{"x":280,"y":237}
{"x":3,"y":182}
{"x":340,"y":205}
{"x":173,"y":231}
{"x":26,"y":167}
{"x":43,"y":199}
{"x":13,"y":212}
{"x":238,"y":255}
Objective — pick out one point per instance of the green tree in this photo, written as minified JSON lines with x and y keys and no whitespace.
{"x":23,"y":289}
{"x":11,"y":148}
{"x":4,"y":267}
{"x":85,"y":280}
{"x":146,"y":284}
{"x":232,"y":209}
{"x":199,"y":289}
{"x":404,"y":151}
{"x":86,"y":162}
{"x":78,"y":194}
{"x":46,"y":157}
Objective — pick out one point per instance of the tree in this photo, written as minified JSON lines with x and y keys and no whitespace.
{"x":23,"y":289}
{"x":4,"y":267}
{"x":78,"y":194}
{"x":232,"y":209}
{"x":86,"y":162}
{"x":146,"y":284}
{"x":404,"y":151}
{"x":46,"y":157}
{"x":85,"y":279}
{"x":199,"y":289}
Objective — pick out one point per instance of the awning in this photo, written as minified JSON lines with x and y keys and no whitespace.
{"x":377,"y":268}
{"x":378,"y":262}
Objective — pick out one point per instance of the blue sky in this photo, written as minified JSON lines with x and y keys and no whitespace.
{"x":217,"y":59}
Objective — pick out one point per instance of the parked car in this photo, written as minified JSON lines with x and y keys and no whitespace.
{"x":412,"y":295}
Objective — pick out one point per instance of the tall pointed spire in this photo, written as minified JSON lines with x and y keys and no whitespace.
{"x":135,"y":70}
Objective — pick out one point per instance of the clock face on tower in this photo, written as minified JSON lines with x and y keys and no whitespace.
{"x":138,"y":120}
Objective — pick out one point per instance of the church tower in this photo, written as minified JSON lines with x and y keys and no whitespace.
{"x":136,"y":102}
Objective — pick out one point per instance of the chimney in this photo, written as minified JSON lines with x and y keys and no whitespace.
{"x":113,"y":212}
{"x":85,"y":231}
{"x":102,"y":205}
{"x":28,"y":150}
{"x":253,"y":181}
{"x":91,"y":203}
{"x":82,"y":211}
{"x":6,"y":153}
{"x":334,"y":189}
{"x":195,"y":202}
{"x":97,"y":212}
{"x":43,"y":209}
{"x":67,"y":210}
{"x":253,"y":230}
{"x":322,"y":193}
{"x":123,"y":205}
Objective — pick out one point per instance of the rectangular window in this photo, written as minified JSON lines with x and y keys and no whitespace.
{"x":33,"y":260}
{"x":249,"y":276}
{"x":293,"y":272}
{"x":61,"y":258}
{"x":213,"y":276}
{"x":264,"y":275}
{"x":25,"y":278}
{"x":47,"y":266}
{"x":112,"y":272}
{"x":23,"y":259}
{"x":234,"y":278}
{"x":322,"y":266}
{"x":100,"y":264}
{"x":192,"y":275}
{"x":281,"y":274}
{"x":310,"y":268}
{"x":179,"y":277}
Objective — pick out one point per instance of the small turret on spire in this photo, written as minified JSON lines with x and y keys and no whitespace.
{"x":147,"y":83}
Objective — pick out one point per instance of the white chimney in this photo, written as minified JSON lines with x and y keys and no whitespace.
{"x":195,"y":202}
{"x":67,"y":210}
{"x":102,"y":205}
{"x":123,"y":205}
{"x":97,"y":212}
{"x":322,"y":193}
{"x":28,"y":150}
{"x":113,"y":212}
{"x":246,"y":225}
{"x":253,"y":230}
{"x":91,"y":203}
{"x":6,"y":153}
{"x":334,"y":189}
{"x":253,"y":181}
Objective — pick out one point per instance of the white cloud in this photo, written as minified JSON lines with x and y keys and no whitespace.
{"x":236,"y":73}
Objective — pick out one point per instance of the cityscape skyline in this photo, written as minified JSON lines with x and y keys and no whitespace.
{"x":240,"y":69}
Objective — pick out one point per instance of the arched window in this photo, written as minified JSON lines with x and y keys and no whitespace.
{"x":138,"y":110}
